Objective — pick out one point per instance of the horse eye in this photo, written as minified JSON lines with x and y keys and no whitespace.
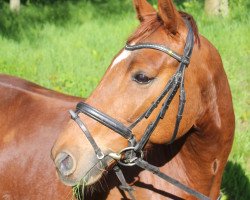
{"x":142,"y":78}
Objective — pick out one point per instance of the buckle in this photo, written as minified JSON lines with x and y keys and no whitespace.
{"x":129,"y":156}
{"x":100,"y":155}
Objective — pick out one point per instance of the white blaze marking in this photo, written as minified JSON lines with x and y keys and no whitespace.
{"x":123,"y":55}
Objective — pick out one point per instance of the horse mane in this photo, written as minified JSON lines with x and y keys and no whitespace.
{"x":146,"y":28}
{"x":193,"y":25}
{"x":153,"y":21}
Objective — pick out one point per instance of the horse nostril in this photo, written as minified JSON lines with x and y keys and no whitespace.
{"x":65,"y":164}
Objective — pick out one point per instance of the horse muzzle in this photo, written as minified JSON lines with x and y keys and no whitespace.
{"x":72,"y":171}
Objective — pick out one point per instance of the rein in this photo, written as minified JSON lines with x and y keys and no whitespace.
{"x":133,"y":154}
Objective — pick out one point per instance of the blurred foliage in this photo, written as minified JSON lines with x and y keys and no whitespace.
{"x":237,"y":7}
{"x":35,"y":13}
{"x":14,"y":25}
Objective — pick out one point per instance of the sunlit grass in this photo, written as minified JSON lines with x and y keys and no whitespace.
{"x":68,"y":48}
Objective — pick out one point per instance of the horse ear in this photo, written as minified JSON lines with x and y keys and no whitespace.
{"x":169,"y":15}
{"x":143,"y":8}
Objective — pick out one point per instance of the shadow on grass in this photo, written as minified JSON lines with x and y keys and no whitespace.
{"x":235,"y":183}
{"x":32,"y":17}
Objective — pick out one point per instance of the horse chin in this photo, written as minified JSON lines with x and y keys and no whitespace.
{"x":97,"y":171}
{"x":68,"y":181}
{"x":91,"y":179}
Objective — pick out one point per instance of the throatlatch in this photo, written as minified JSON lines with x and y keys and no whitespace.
{"x":133,"y":154}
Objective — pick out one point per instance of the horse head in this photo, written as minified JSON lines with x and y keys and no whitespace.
{"x":138,"y":76}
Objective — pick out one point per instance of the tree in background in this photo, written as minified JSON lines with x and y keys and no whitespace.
{"x":216,"y":7}
{"x":15,"y":5}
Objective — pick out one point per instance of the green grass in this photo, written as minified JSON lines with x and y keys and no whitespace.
{"x":68,"y":46}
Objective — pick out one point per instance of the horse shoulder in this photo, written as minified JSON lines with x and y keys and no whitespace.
{"x":31,"y":118}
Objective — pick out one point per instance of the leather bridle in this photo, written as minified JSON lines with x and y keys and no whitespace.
{"x":133,"y":154}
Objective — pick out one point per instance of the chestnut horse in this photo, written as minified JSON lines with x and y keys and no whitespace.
{"x":155,"y":55}
{"x":30,"y":120}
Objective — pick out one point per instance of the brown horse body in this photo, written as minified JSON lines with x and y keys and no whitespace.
{"x":198,"y":157}
{"x":31,"y":118}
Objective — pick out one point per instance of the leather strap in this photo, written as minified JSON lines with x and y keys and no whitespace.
{"x":104,"y":119}
{"x":124,"y":186}
{"x":158,"y":47}
{"x":84,"y":129}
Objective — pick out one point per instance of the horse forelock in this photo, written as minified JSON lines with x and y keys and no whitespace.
{"x":153,"y":21}
{"x":146,"y":28}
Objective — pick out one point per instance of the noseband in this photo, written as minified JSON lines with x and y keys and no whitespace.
{"x":133,"y":154}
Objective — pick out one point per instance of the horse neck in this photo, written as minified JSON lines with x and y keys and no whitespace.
{"x":183,"y":161}
{"x":190,"y":160}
